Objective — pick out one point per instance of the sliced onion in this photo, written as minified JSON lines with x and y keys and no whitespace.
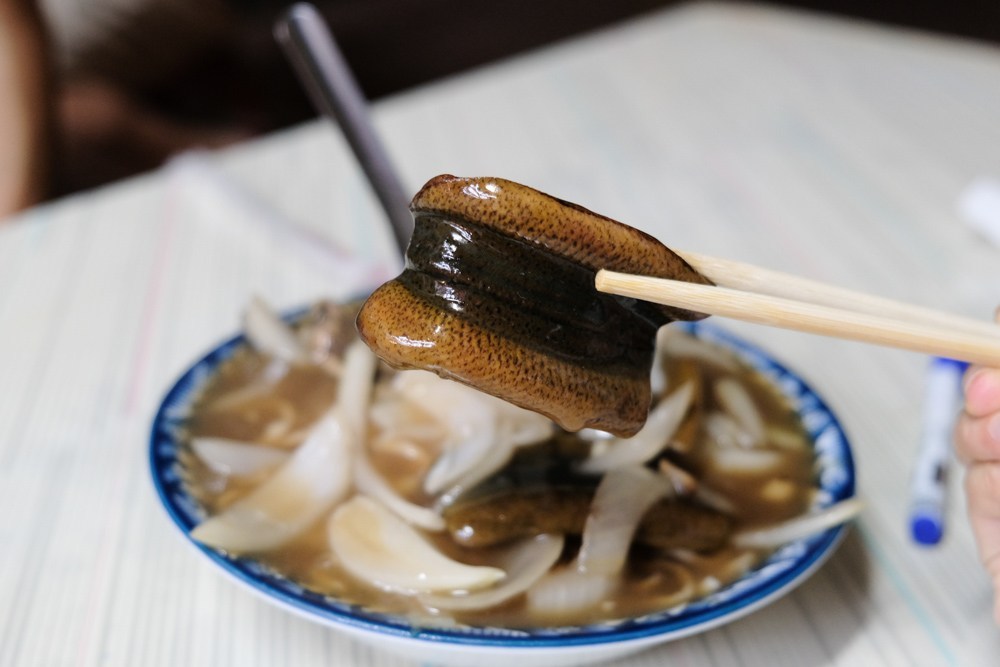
{"x":622,"y":498}
{"x":730,"y":460}
{"x":400,"y":447}
{"x":778,"y":490}
{"x":481,"y":431}
{"x":261,"y":386}
{"x":682,"y":482}
{"x":396,"y":418}
{"x":737,"y":402}
{"x":799,"y":527}
{"x":683,"y":593}
{"x":270,"y":335}
{"x":375,"y":545}
{"x":459,"y":407}
{"x":525,"y":563}
{"x":354,"y":393}
{"x":658,"y":431}
{"x":468,"y":419}
{"x":521,"y":427}
{"x":713,"y":499}
{"x":281,"y":426}
{"x":314,"y":479}
{"x":709,"y":585}
{"x":725,"y":432}
{"x":658,"y":376}
{"x":290,"y":439}
{"x":459,"y":458}
{"x":236,"y":458}
{"x":738,"y":566}
{"x":674,"y":343}
{"x":495,"y":459}
{"x":567,"y":592}
{"x":510,"y":436}
{"x":595,"y":435}
{"x":370,"y":482}
{"x":786,"y":438}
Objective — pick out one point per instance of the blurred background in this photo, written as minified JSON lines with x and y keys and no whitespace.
{"x":92,"y":91}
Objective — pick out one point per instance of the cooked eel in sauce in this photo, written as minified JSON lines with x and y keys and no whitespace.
{"x":498,"y":293}
{"x":669,"y":524}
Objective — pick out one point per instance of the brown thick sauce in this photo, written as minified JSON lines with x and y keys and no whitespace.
{"x":652,"y":578}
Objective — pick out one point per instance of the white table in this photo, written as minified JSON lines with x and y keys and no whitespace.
{"x":828,"y":149}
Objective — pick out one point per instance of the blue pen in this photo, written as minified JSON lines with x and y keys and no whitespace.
{"x":928,"y":490}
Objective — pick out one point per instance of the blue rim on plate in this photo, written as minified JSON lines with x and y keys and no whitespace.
{"x":776,"y":576}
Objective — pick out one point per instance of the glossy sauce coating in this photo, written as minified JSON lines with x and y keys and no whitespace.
{"x":498,"y":293}
{"x":500,"y":518}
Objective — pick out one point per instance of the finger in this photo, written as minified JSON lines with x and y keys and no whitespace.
{"x":982,"y":488}
{"x":977,"y":439}
{"x":982,"y":390}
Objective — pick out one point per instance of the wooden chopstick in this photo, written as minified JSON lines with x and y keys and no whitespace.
{"x":750,"y":278}
{"x":939,"y":337}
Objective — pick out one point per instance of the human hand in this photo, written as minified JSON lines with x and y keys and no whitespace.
{"x":977,"y":443}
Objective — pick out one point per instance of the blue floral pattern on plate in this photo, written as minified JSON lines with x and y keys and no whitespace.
{"x":776,"y":576}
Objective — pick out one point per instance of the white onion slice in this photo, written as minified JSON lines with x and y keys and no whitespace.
{"x":510,"y":435}
{"x":459,"y":458}
{"x":281,"y":426}
{"x":714,"y":500}
{"x":737,"y":402}
{"x":262,"y":385}
{"x":354,"y":393}
{"x":658,"y":380}
{"x":734,"y":460}
{"x":683,"y":593}
{"x":786,"y":438}
{"x":481,"y":431}
{"x":525,"y":563}
{"x":451,"y":403}
{"x":314,"y":479}
{"x":594,"y":435}
{"x":370,"y":482}
{"x":799,"y":527}
{"x":522,"y":427}
{"x":622,"y":498}
{"x":567,"y":592}
{"x":236,"y":458}
{"x":269,"y":334}
{"x":299,"y":493}
{"x":375,"y":545}
{"x":681,"y":481}
{"x":674,"y":343}
{"x":495,"y":459}
{"x":659,"y":430}
{"x":725,"y":432}
{"x":468,"y":418}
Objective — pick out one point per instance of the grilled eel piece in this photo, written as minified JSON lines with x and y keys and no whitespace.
{"x":498,"y":293}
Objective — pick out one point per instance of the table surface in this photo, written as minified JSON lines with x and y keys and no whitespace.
{"x":828,"y":149}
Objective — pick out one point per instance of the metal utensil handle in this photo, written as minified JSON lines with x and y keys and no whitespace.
{"x":309,"y":45}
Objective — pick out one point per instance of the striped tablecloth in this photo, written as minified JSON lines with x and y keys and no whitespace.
{"x":829,"y":149}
